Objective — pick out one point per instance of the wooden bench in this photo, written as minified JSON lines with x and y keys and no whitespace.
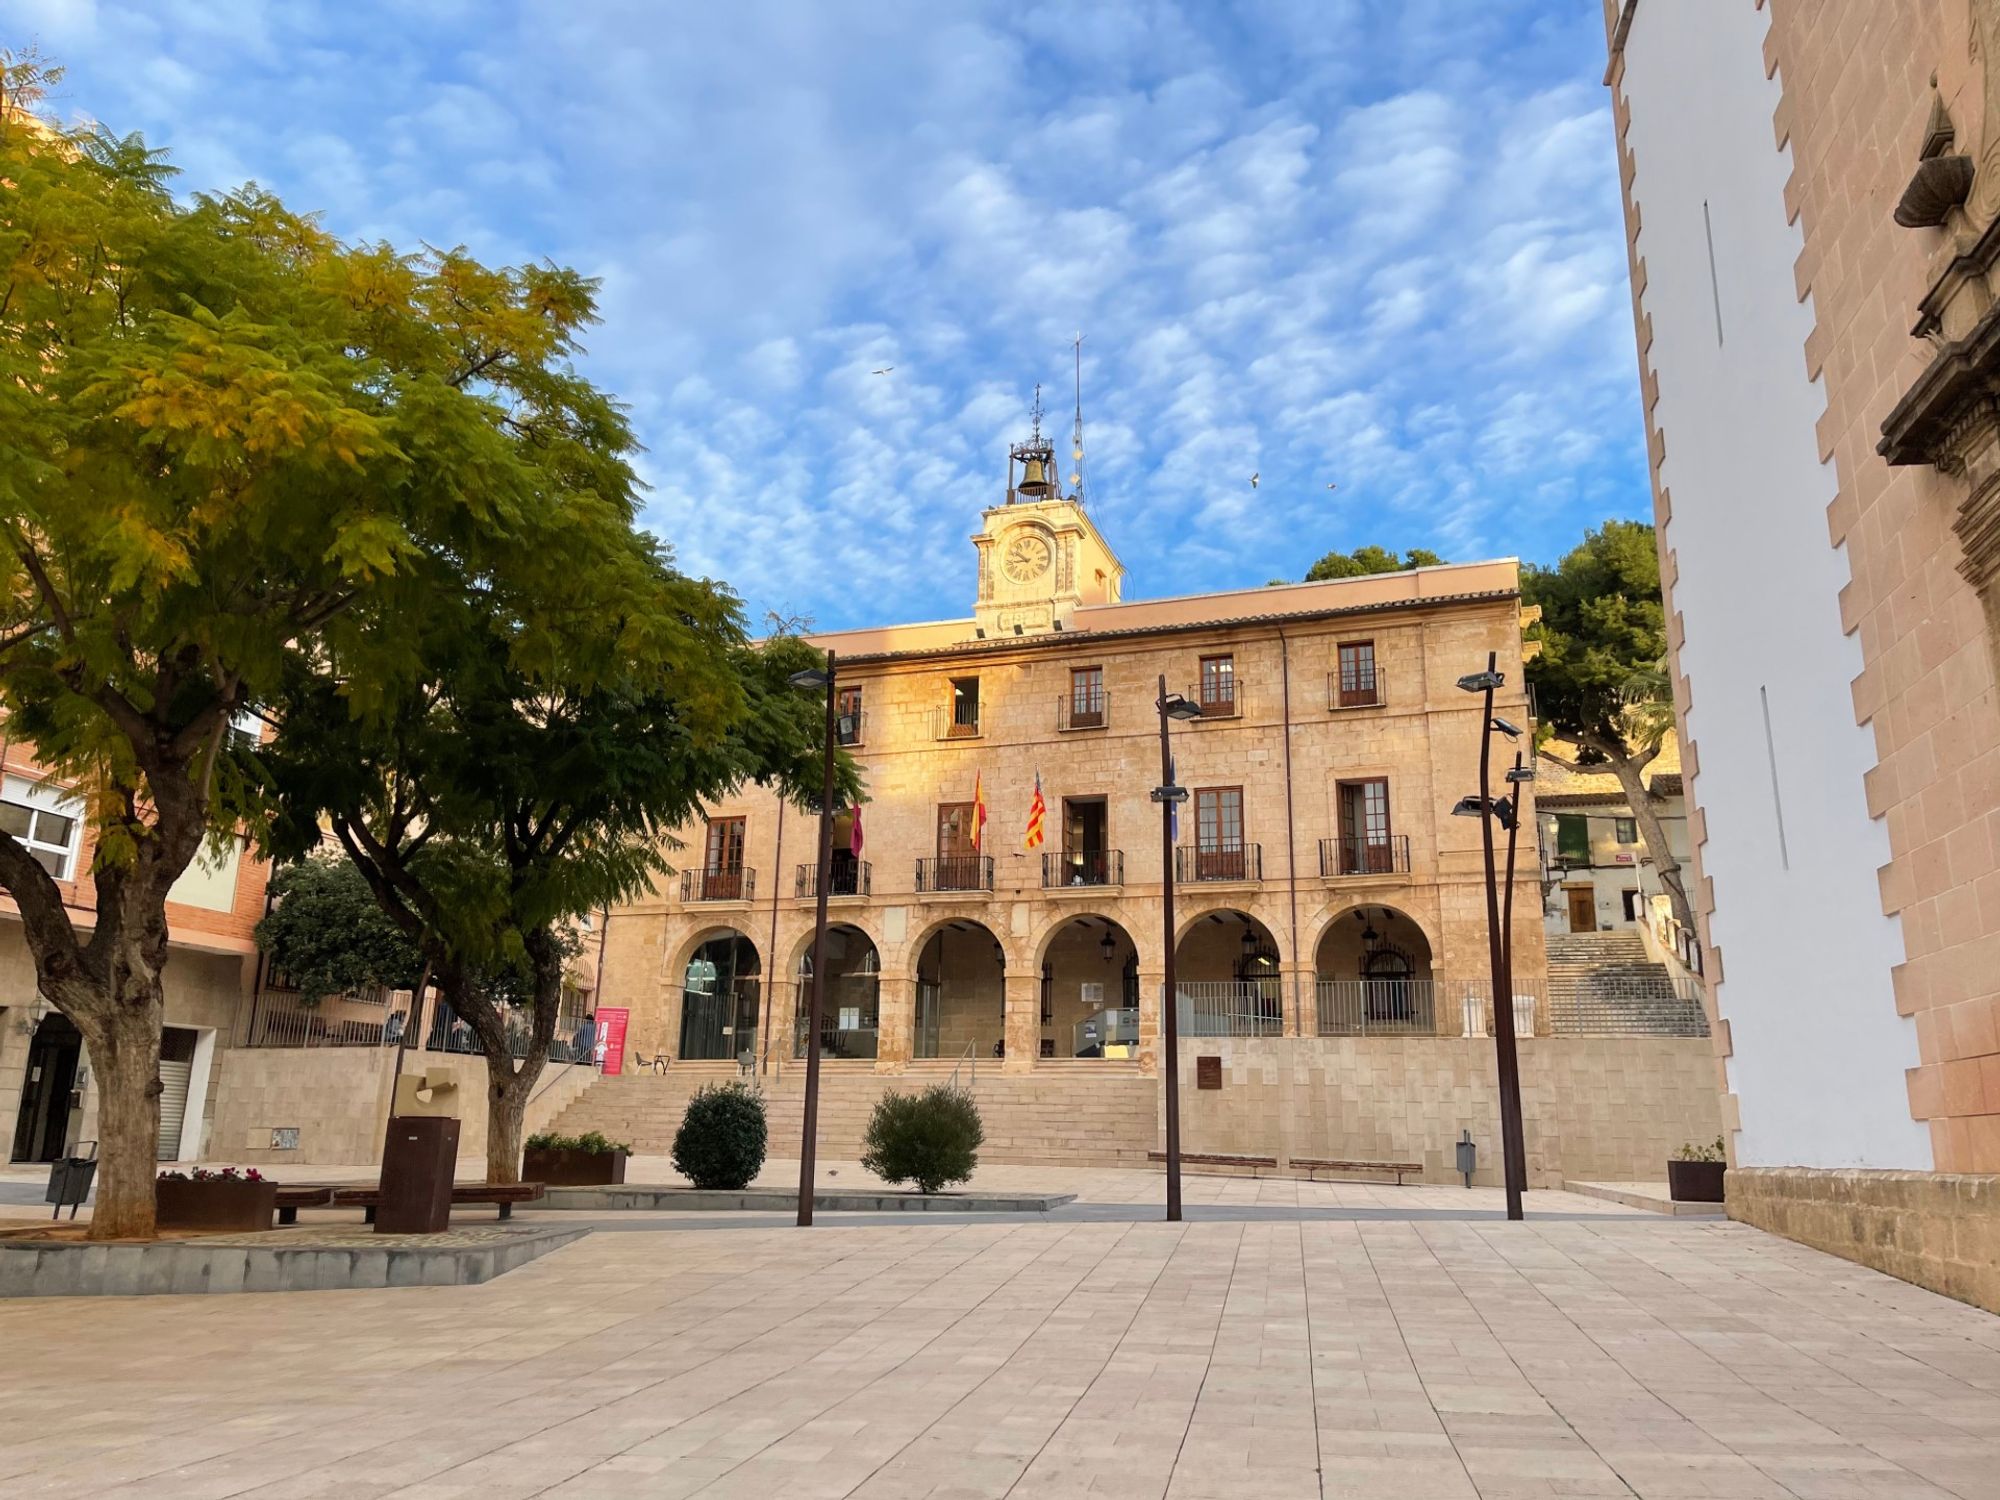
{"x":292,"y":1199}
{"x":505,"y":1194}
{"x":1307,"y":1164}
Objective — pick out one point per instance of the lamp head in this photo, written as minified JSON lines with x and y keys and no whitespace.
{"x":1479,"y":682}
{"x":812,"y":679}
{"x":1506,"y":727}
{"x":1175,"y":706}
{"x":1469,"y":807}
{"x":1519,"y":774}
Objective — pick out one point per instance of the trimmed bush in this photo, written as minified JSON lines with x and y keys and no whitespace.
{"x":931,"y":1139}
{"x":722,"y":1137}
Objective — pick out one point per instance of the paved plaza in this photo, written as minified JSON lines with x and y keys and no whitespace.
{"x":1289,"y":1340}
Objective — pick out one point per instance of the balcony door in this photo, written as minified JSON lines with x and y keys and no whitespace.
{"x":1218,"y":815}
{"x":722,"y":864}
{"x":1365,"y":847}
{"x":1357,"y":674}
{"x":957,"y":856}
{"x":1085,"y":841}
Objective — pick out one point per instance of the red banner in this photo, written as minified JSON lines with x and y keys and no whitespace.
{"x":611,"y":1038}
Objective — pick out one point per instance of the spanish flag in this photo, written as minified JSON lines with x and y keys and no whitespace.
{"x":1036,"y":811}
{"x":978,"y":812}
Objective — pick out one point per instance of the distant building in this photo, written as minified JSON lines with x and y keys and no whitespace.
{"x":1811,"y":195}
{"x":1597,"y":874}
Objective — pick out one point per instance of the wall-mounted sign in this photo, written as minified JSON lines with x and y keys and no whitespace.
{"x":1208,"y":1072}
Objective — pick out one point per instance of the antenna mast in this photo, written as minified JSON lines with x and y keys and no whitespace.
{"x":1076,"y":444}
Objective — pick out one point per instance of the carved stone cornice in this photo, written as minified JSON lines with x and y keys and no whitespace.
{"x":1950,"y":419}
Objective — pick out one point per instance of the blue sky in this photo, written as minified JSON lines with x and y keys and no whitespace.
{"x":1334,"y":241}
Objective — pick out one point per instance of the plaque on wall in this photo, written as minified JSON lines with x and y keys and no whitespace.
{"x":1208,"y":1072}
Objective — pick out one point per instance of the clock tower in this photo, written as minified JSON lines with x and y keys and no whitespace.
{"x":1040,"y":555}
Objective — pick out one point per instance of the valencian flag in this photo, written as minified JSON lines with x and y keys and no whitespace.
{"x":978,"y":812}
{"x":1037,"y":809}
{"x":854,"y":836}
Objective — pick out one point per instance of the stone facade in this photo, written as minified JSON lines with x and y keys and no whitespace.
{"x":932,"y":969}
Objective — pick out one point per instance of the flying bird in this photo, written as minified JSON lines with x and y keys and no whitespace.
{"x":1253,"y":481}
{"x":1333,"y":486}
{"x":883,"y":371}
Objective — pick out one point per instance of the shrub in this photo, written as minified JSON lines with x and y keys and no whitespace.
{"x":722,"y":1137}
{"x":931,"y":1139}
{"x":593,"y":1141}
{"x":1691,"y":1152}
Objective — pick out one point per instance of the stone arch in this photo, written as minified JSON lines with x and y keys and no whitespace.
{"x":1373,"y":973}
{"x":960,"y":968}
{"x":1317,"y":931}
{"x":1227,"y":976}
{"x":851,"y":1003}
{"x":1088,"y":1001}
{"x":720,"y":978}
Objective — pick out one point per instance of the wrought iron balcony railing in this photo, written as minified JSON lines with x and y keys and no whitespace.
{"x":1219,"y":862}
{"x":1351,"y":854}
{"x":849,"y":877}
{"x":1082,"y":710}
{"x":1216,"y":698}
{"x":955,"y":721}
{"x":955,"y":872}
{"x":1364,"y":688}
{"x":719,"y":885}
{"x":1078,"y":867}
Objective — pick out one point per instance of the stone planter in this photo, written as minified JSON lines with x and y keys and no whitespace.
{"x":1695,"y":1181}
{"x":219,"y":1204}
{"x":566,"y":1168}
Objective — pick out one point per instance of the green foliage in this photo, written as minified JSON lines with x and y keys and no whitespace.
{"x":1703,"y":1151}
{"x":931,"y":1138}
{"x":1603,"y":635}
{"x":722,"y":1137}
{"x":330,"y":936}
{"x":595,"y":1142}
{"x":1370,"y":559}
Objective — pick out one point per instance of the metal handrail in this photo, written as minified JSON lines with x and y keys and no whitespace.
{"x":1239,"y":861}
{"x":1350,"y":854}
{"x":1063,"y":868}
{"x":971,"y":1055}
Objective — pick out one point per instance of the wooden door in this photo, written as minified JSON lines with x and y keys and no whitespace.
{"x":1582,"y":908}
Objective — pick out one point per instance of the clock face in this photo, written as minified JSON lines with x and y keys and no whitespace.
{"x":1026,"y":556}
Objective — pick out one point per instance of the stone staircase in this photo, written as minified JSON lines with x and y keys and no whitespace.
{"x":1602,"y":983}
{"x":1055,"y":1114}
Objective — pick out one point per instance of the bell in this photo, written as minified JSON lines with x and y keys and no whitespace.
{"x":1034,"y":478}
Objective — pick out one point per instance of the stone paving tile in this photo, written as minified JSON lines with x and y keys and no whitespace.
{"x":1407,"y":1355}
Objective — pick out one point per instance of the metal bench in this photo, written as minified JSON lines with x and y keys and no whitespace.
{"x":505,"y":1194}
{"x":1303,"y":1163}
{"x":1400,"y":1168}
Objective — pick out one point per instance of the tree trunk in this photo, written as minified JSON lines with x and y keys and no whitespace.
{"x":1651,"y":831}
{"x":507,"y":1093}
{"x":124,"y":1045}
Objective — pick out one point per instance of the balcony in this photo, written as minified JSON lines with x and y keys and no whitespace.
{"x":1366,"y":688}
{"x":850,"y":877}
{"x":718,"y":885}
{"x":1076,"y":711}
{"x":1082,"y":869}
{"x":1216,"y":699}
{"x":1351,"y":856}
{"x":955,"y":722}
{"x":955,"y":873}
{"x":1224,"y":862}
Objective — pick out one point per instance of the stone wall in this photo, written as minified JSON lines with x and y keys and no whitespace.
{"x":1594,"y":1108}
{"x":1939,"y":1230}
{"x":338,"y":1098}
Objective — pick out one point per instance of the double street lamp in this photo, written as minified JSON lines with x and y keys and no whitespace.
{"x":817,"y":679}
{"x":1171,"y":706}
{"x":1500,"y":924}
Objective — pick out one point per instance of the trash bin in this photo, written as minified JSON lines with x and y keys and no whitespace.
{"x":70,"y":1179}
{"x":416,"y":1175}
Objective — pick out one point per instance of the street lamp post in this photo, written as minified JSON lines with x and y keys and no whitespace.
{"x":1169,"y":795}
{"x":1513,"y":1146}
{"x":809,"y":1138}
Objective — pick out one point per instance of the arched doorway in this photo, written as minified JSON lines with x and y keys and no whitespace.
{"x":850,"y":1008}
{"x":720,"y":993}
{"x":1226,"y":977}
{"x":41,"y":1131}
{"x":1090,"y":991}
{"x":1373,"y":975}
{"x":961,"y":993}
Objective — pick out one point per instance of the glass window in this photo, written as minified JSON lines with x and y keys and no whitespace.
{"x":1357,"y":674}
{"x":1217,"y":691}
{"x":1573,"y":837}
{"x":45,"y":820}
{"x":1628,"y":830}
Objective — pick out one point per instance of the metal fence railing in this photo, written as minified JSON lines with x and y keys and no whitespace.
{"x":956,"y":872}
{"x":1352,"y":688}
{"x":1231,"y":1008}
{"x":1083,"y":867}
{"x":1354,"y":854}
{"x":849,"y":877}
{"x":1219,"y":862}
{"x":1083,"y":709}
{"x":732,"y":884}
{"x":1375,"y":1007}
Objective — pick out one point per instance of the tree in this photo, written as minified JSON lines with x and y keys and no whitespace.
{"x":232,"y":452}
{"x":330,"y":936}
{"x":1599,"y":678}
{"x":1370,"y":559}
{"x":574,"y":711}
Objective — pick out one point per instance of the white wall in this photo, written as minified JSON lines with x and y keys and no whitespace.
{"x":1818,"y":1049}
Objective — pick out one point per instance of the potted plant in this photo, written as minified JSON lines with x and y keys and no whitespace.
{"x":587,"y":1160}
{"x":225,"y":1200}
{"x":1694,"y":1173}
